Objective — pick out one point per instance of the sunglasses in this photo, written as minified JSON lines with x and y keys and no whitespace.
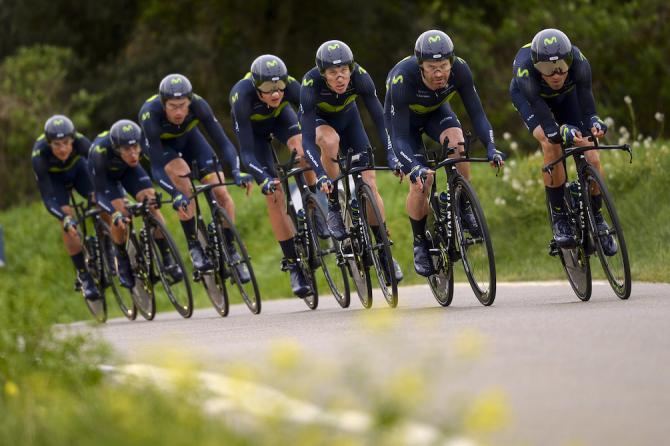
{"x":549,"y":68}
{"x":271,"y":86}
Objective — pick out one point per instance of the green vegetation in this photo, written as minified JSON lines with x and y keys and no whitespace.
{"x":98,"y":77}
{"x":39,"y":268}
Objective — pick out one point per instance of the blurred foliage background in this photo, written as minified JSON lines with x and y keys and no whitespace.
{"x":98,"y":62}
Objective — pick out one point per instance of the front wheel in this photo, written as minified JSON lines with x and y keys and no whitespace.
{"x":238,"y":262}
{"x":122,"y":295}
{"x":352,"y":253}
{"x":474,"y":241}
{"x":143,"y":291}
{"x":607,"y":234}
{"x":378,"y":244}
{"x":166,"y":267}
{"x":98,"y":307}
{"x":327,"y":250}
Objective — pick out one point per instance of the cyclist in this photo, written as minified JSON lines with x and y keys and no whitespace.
{"x":59,"y":162}
{"x":551,"y":89}
{"x":330,"y":120}
{"x":418,"y":90}
{"x":261,"y":111}
{"x":114,"y":160}
{"x":170,"y":121}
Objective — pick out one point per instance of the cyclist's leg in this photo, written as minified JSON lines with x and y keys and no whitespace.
{"x":444,"y":124}
{"x":328,"y":140}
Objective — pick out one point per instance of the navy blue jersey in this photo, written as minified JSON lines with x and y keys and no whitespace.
{"x":528,"y":89}
{"x":409,"y":103}
{"x":253,"y":119}
{"x":107,"y":169}
{"x":157,"y":128}
{"x":48,"y":168}
{"x":318,"y":100}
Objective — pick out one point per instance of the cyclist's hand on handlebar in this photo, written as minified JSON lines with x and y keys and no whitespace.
{"x":570,"y":135}
{"x":324,"y":184}
{"x":70,"y":225}
{"x":598,"y":127}
{"x":496,"y":157}
{"x":180,"y":204}
{"x":119,"y":220}
{"x":396,"y":166}
{"x":419,"y":175}
{"x":269,"y":186}
{"x":243,"y":180}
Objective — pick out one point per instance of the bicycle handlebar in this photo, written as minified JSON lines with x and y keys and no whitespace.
{"x":576,"y":150}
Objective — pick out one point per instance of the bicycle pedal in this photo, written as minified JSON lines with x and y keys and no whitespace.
{"x":553,"y":249}
{"x":197,"y":276}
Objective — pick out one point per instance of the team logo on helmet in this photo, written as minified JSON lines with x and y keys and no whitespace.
{"x":551,"y":40}
{"x":175,"y":80}
{"x":127,"y":128}
{"x":333,"y":47}
{"x":433,"y":39}
{"x":58,"y":121}
{"x":271,"y":63}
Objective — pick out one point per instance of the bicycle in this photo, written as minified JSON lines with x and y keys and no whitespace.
{"x":222,"y":252}
{"x":100,"y":261}
{"x":313,"y":250}
{"x":148,"y":262}
{"x":450,"y":240}
{"x":588,"y":240}
{"x":361,"y":250}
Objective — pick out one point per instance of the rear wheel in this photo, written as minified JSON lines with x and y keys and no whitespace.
{"x":442,"y":282}
{"x":575,"y":261}
{"x":475,"y":244}
{"x":327,"y":250}
{"x":178,"y":291}
{"x":237,"y":260}
{"x":122,"y":295}
{"x":378,"y":246}
{"x":608,"y":239}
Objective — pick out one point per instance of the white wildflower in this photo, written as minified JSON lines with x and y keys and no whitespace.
{"x":609,"y":122}
{"x":512,"y":163}
{"x":507,"y":136}
{"x":516,"y":184}
{"x":660,"y":117}
{"x":513,"y":146}
{"x":529,"y":182}
{"x":499,"y":201}
{"x":627,"y":100}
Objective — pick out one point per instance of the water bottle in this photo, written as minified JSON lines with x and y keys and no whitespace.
{"x":355,"y":211}
{"x":443,"y":204}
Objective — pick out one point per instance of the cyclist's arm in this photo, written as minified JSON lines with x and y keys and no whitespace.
{"x":398,"y":118}
{"x":520,"y":103}
{"x":226,"y":149}
{"x":101,"y":181}
{"x":242,"y":124}
{"x":582,"y":75}
{"x":292,"y":92}
{"x":41,"y":168}
{"x":366,"y":88}
{"x":530,"y":89}
{"x":308,"y":123}
{"x":473,"y":105}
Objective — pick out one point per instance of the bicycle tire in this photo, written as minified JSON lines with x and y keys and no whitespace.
{"x":479,"y":264}
{"x":388,"y":280}
{"x":181,"y":297}
{"x":122,"y":295}
{"x":143,"y":291}
{"x":327,"y":250}
{"x":442,"y":282}
{"x":575,"y":261}
{"x":616,"y":266}
{"x":98,"y":307}
{"x":249,"y":290}
{"x":352,"y":254}
{"x":215,"y":281}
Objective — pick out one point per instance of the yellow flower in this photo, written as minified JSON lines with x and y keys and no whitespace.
{"x":469,"y":344}
{"x":489,"y":412}
{"x":11,"y":389}
{"x":286,"y":354}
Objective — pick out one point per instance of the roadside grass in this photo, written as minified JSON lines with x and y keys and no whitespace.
{"x":39,"y":269}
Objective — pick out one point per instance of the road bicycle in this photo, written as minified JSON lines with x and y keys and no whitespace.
{"x":589,"y":237}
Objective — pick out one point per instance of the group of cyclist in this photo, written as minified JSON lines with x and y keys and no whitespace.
{"x":318,"y":117}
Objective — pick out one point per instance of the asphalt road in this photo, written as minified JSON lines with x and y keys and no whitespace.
{"x":569,"y":372}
